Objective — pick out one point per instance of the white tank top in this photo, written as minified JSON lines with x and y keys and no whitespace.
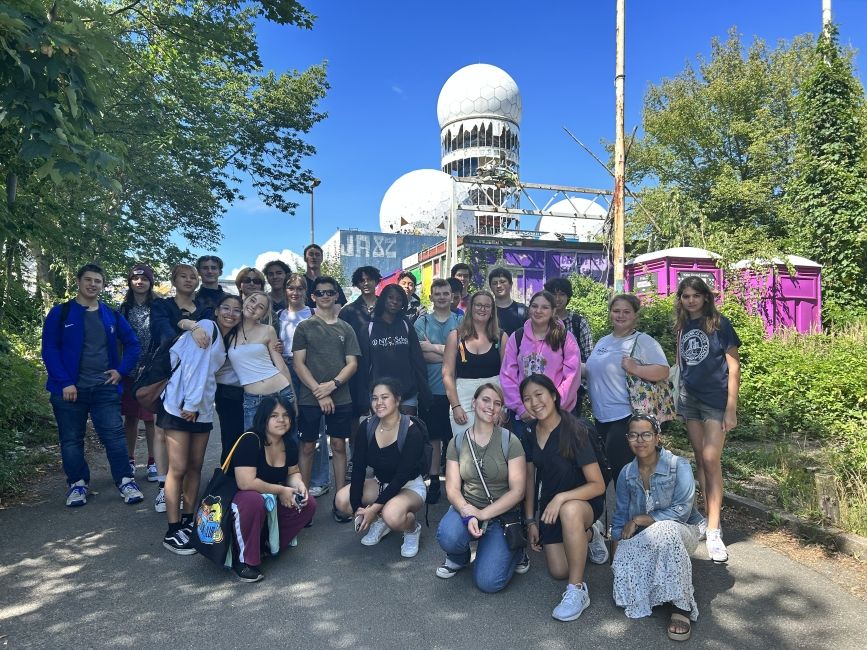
{"x":252,"y":363}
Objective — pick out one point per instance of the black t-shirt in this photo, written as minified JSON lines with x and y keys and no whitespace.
{"x":250,"y":453}
{"x":208,"y":298}
{"x":557,"y":474}
{"x":512,"y":317}
{"x":703,"y":366}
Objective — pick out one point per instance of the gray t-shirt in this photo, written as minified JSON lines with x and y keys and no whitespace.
{"x":606,"y":379}
{"x":494,"y":467}
{"x":94,"y":352}
{"x":327,"y":347}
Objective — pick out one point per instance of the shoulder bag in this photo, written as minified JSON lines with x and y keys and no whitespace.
{"x":650,"y":397}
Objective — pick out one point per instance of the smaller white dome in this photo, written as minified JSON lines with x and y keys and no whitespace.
{"x":419,"y":202}
{"x":585,"y":221}
{"x":479,"y":90}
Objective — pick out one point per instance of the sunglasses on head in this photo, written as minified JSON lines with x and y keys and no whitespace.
{"x":319,"y":293}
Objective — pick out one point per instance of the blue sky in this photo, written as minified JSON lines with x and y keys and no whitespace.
{"x":388,"y":60}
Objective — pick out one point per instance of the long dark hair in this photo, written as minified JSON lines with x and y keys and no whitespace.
{"x":232,"y":334}
{"x":710,"y":314}
{"x":129,"y":298}
{"x":263,"y":414}
{"x":379,"y":309}
{"x":573,"y":432}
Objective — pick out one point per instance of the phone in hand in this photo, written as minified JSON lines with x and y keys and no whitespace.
{"x":359,"y":520}
{"x":299,"y":499}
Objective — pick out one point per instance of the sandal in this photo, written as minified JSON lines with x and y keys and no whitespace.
{"x":679,"y":621}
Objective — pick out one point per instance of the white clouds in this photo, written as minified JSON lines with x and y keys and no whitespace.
{"x":251,"y":206}
{"x":397,"y":90}
{"x":293,"y":259}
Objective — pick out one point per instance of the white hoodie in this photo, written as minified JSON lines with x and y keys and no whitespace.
{"x":193,"y":385}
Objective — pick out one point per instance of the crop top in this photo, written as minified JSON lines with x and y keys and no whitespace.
{"x":477,"y":366}
{"x":252,"y":363}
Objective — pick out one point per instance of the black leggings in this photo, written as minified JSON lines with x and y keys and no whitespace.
{"x":616,"y":448}
{"x":230,"y":409}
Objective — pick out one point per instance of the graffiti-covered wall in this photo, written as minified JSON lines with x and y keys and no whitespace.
{"x":385,"y":251}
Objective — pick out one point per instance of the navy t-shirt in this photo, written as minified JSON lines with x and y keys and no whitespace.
{"x":512,"y":317}
{"x":703,"y":366}
{"x":250,"y":453}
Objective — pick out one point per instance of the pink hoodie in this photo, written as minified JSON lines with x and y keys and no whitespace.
{"x":563,"y":367}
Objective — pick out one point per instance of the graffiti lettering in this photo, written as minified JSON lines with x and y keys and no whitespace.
{"x":383,"y":247}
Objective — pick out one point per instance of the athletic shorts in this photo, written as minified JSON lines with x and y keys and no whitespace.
{"x":553,"y":533}
{"x":129,"y":405}
{"x":436,"y":417}
{"x":337,"y":424}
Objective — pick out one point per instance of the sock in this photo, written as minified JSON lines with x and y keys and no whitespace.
{"x":173,"y":528}
{"x":162,"y":481}
{"x":151,"y":460}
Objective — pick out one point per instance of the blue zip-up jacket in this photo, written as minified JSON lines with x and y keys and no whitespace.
{"x":672,"y":488}
{"x":62,"y":344}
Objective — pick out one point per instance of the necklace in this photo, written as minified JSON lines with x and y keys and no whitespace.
{"x":475,"y":444}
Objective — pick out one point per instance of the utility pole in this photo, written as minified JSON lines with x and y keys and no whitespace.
{"x":826,"y":14}
{"x":313,"y":185}
{"x":619,"y":152}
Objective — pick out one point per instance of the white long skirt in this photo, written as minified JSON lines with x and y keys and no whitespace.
{"x":653,"y":568}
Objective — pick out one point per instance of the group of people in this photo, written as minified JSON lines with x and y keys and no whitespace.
{"x":384,"y":394}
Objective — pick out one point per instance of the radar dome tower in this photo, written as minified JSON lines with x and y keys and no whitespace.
{"x":479,"y":112}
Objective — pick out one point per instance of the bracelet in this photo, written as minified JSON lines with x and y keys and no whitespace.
{"x":530,"y":520}
{"x":456,"y":406}
{"x":466,"y":520}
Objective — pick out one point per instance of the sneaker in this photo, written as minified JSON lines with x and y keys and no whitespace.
{"x":575,"y":600}
{"x":293,"y":542}
{"x":129,"y":491}
{"x":433,"y":492}
{"x":702,"y":530}
{"x":152,"y":473}
{"x":132,"y":466}
{"x":76,"y":495}
{"x":318,"y":490}
{"x":523,"y":564}
{"x":716,"y":550}
{"x":247,"y":573}
{"x":376,"y":532}
{"x":409,"y":548}
{"x":340,"y":517}
{"x":448,"y":569}
{"x":179,"y":542}
{"x":160,"y":500}
{"x":598,"y":549}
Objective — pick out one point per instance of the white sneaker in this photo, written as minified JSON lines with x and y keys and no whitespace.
{"x":448,"y":569}
{"x":575,"y":600}
{"x":702,"y":530}
{"x":160,"y":500}
{"x":409,"y":548}
{"x":129,"y":491}
{"x":318,"y":490}
{"x":598,"y":551}
{"x":716,"y":550}
{"x":376,"y":532}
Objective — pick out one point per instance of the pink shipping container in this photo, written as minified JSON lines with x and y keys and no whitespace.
{"x":783,"y":300}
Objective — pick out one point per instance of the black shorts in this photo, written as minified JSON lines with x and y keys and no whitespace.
{"x":169,"y":421}
{"x":436,"y":417}
{"x":337,"y":424}
{"x":553,"y":533}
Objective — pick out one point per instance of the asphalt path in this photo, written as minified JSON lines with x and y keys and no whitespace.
{"x":98,"y":576}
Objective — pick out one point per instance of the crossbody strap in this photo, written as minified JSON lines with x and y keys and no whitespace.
{"x":476,"y":463}
{"x":228,"y":461}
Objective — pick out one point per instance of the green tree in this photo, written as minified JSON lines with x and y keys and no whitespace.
{"x":828,"y":193}
{"x":717,"y":147}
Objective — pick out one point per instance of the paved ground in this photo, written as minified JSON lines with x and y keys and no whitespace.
{"x":98,"y":576}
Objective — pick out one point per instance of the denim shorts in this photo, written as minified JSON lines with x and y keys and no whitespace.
{"x":692,"y":408}
{"x":413,"y":485}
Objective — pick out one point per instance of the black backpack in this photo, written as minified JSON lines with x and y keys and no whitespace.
{"x":405,"y":420}
{"x":598,"y":449}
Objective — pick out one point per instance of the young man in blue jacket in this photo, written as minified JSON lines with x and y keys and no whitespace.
{"x":80,"y":351}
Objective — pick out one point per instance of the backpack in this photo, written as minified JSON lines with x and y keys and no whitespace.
{"x":505,"y":437}
{"x":155,"y":371}
{"x":598,"y":450}
{"x":519,"y":336}
{"x":64,"y":314}
{"x":405,"y":421}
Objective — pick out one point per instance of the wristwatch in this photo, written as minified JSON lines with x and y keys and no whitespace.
{"x":337,"y":382}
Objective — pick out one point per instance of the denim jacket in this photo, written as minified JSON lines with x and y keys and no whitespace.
{"x":672,"y":488}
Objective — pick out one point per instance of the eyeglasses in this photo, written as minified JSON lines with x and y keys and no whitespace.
{"x":483,"y":307}
{"x":319,"y":293}
{"x":252,"y":280}
{"x":230,"y":310}
{"x":632,"y":436}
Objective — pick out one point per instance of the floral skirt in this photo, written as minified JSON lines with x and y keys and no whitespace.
{"x":653,"y":568}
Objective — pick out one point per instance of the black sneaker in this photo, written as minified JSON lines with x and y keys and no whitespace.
{"x":523,"y":564}
{"x":340,"y":517}
{"x":179,"y":542}
{"x":247,"y":573}
{"x":433,"y":492}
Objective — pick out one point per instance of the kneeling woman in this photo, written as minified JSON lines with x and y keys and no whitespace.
{"x":565,"y":487}
{"x":264,"y":464}
{"x":655,"y":528}
{"x":486,"y":477}
{"x":393,"y":445}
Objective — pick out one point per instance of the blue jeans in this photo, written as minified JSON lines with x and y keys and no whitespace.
{"x":251,"y":404}
{"x":495,"y":563}
{"x":320,"y":473}
{"x":102,"y":404}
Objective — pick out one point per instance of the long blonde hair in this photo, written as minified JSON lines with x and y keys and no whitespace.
{"x":268,"y":318}
{"x":467,"y":330}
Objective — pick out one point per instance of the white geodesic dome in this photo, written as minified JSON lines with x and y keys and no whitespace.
{"x":585,"y":219}
{"x":419,"y":202}
{"x":479,"y":90}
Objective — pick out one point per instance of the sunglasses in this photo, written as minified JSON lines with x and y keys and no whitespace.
{"x":632,"y":436}
{"x":319,"y":293}
{"x":252,"y":281}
